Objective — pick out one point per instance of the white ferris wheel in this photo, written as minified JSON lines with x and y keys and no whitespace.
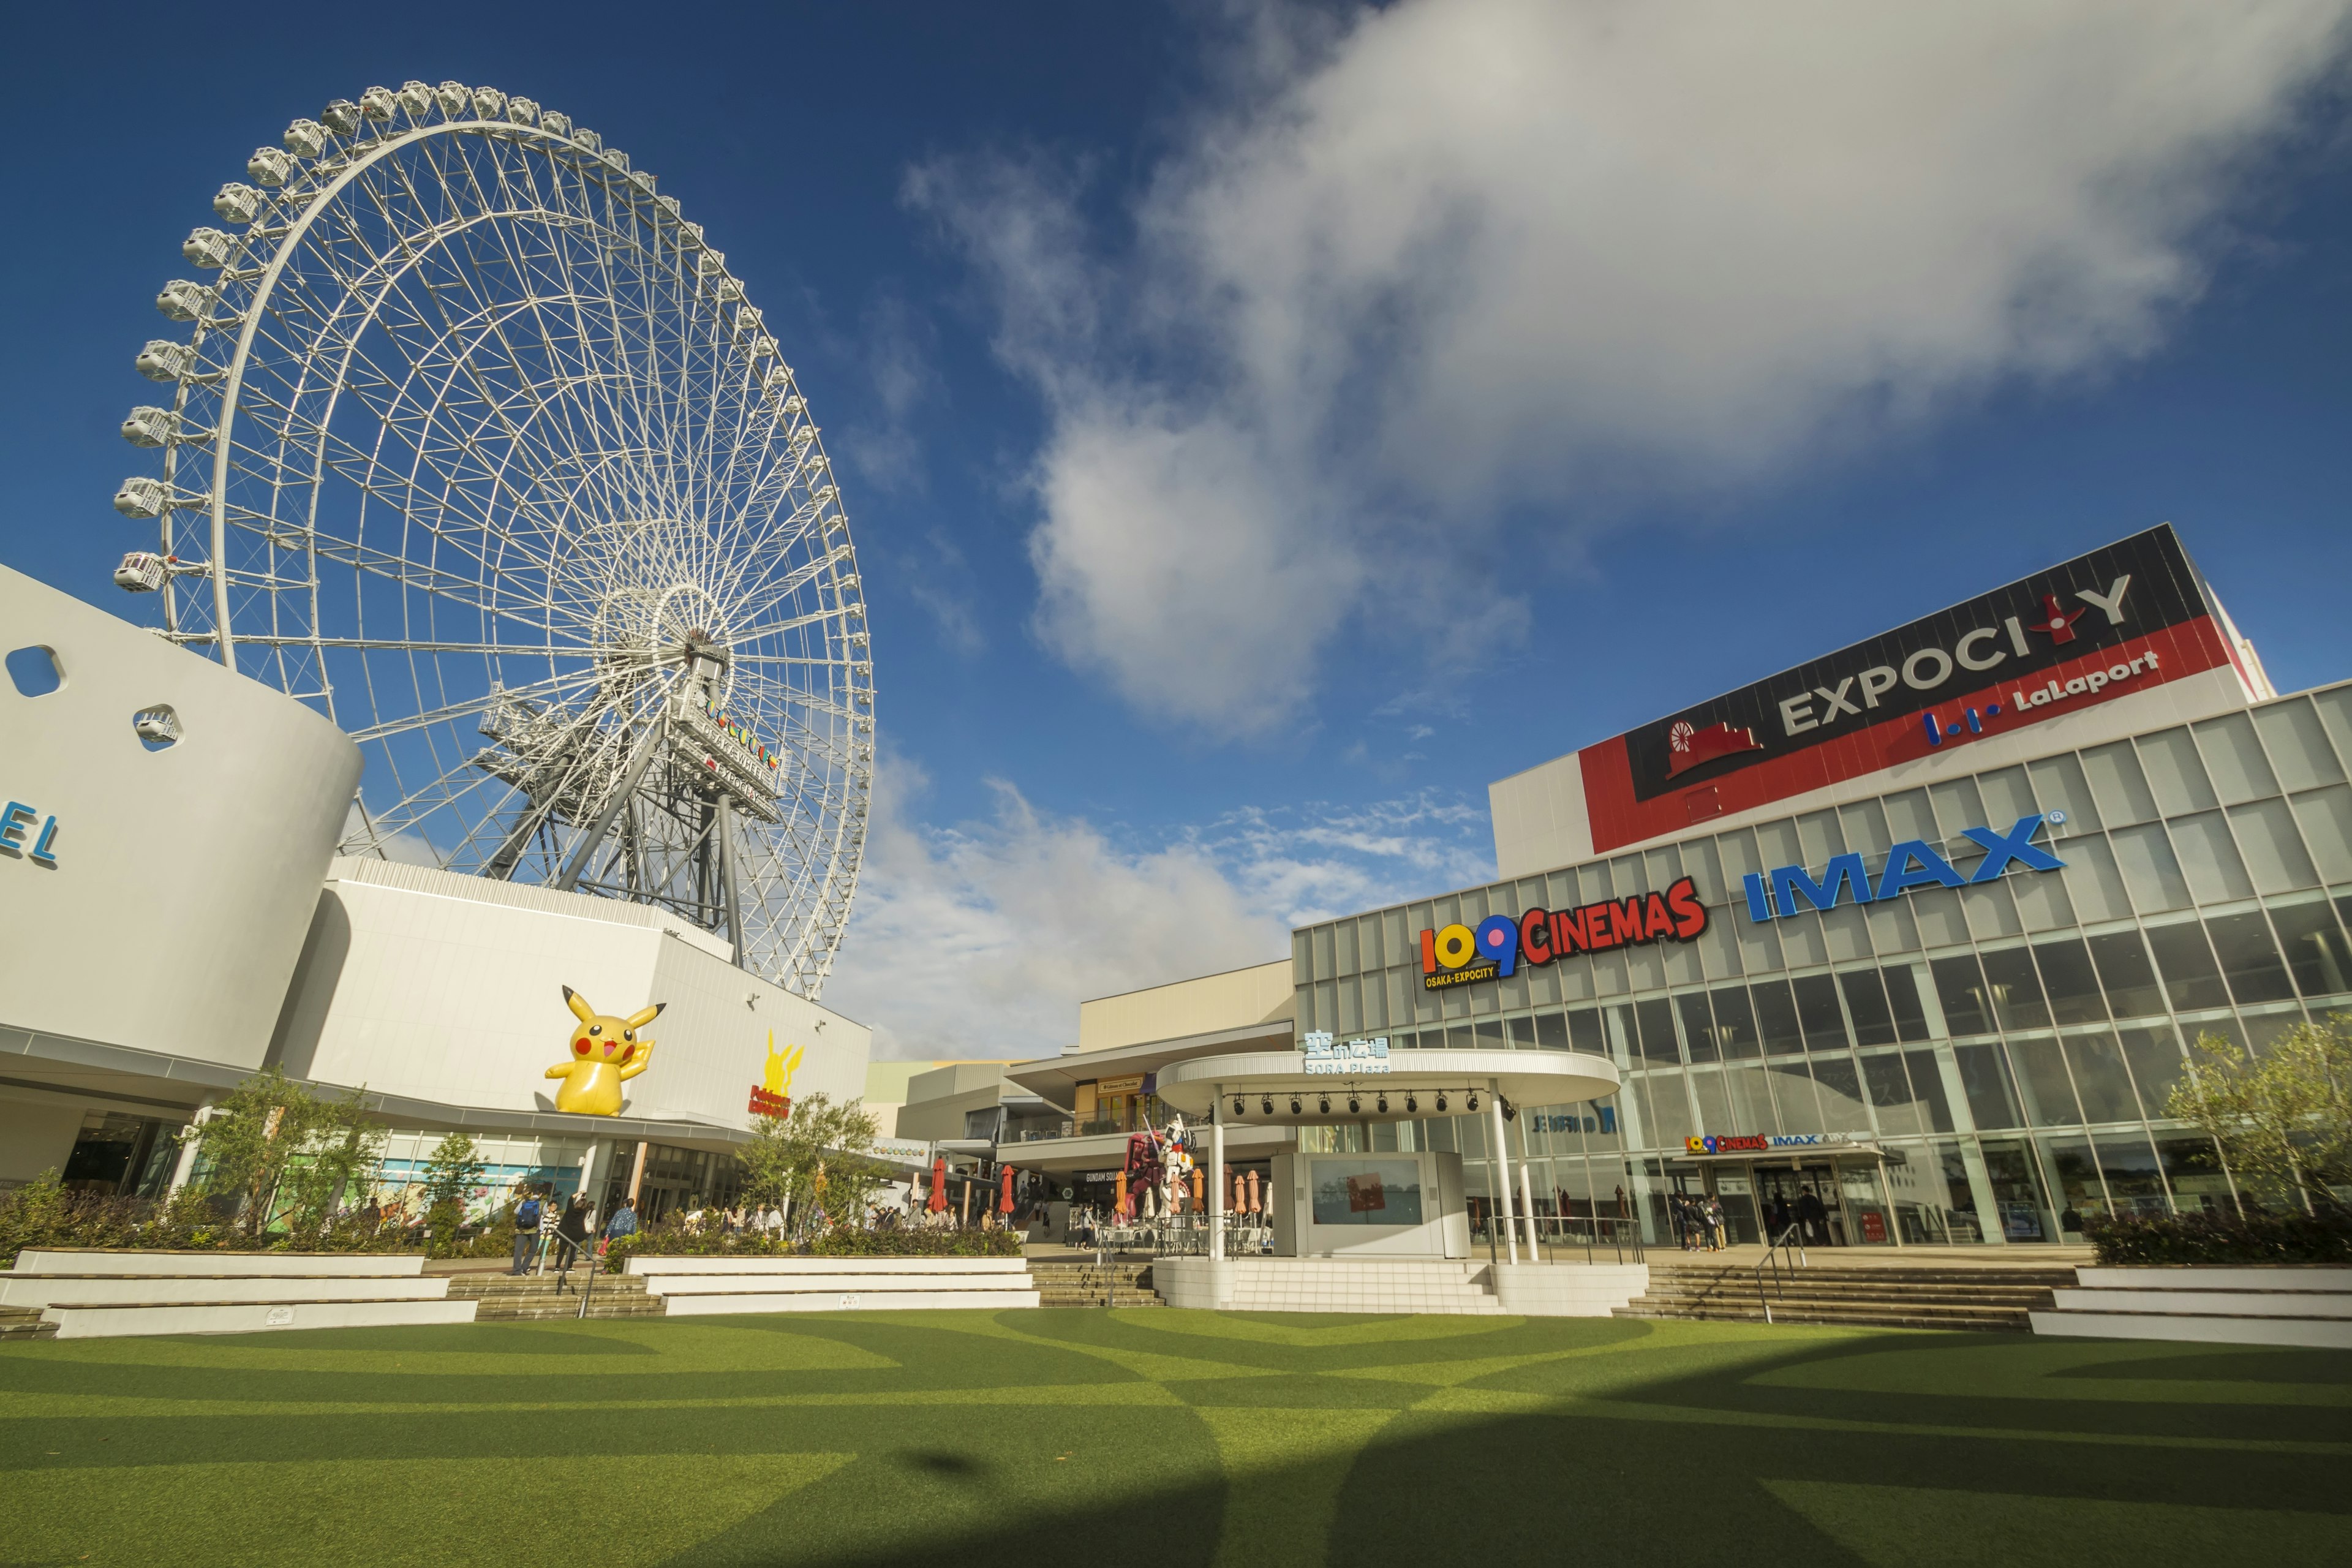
{"x":476,"y":444}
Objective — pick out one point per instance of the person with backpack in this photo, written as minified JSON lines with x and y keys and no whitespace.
{"x":528,"y":1214}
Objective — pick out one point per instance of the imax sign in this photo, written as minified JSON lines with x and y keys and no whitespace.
{"x":1914,"y":863}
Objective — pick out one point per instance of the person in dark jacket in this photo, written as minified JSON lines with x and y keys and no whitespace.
{"x":571,"y":1231}
{"x":624,"y":1221}
{"x":1815,"y":1217}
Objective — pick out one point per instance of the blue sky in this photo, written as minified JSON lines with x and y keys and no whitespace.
{"x":1263,"y":429}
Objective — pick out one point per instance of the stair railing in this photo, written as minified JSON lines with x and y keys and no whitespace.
{"x":1772,"y":1260}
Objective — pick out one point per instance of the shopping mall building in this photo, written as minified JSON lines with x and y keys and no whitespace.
{"x":1927,"y":926}
{"x":174,"y":917}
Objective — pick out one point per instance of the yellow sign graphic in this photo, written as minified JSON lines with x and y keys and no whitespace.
{"x":777,"y":1079}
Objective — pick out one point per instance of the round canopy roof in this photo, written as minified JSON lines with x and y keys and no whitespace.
{"x":1524,"y":1078}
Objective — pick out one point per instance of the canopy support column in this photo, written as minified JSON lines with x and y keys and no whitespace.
{"x":1216,"y":1178}
{"x":1503,"y":1206}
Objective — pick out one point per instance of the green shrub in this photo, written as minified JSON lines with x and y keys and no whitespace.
{"x":2257,"y":1238}
{"x":42,"y":1213}
{"x":847,"y":1243}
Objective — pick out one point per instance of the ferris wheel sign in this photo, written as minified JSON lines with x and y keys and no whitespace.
{"x":468,"y":438}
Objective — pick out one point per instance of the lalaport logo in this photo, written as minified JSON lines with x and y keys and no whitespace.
{"x":1457,"y":955}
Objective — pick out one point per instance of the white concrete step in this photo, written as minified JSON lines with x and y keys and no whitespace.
{"x":665,"y":1284}
{"x":2331,"y":1334}
{"x":859,"y":1300}
{"x":2204,"y":1276}
{"x":2203,"y":1302}
{"x":791,"y":1266}
{"x":19,"y":1289}
{"x":79,"y":1320}
{"x":78,"y":1260}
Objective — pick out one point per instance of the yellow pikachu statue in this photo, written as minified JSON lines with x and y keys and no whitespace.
{"x":605,"y":1053}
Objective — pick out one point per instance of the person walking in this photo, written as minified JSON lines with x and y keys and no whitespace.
{"x":1815,"y":1218}
{"x":528,"y":1214}
{"x":1715,"y":1221}
{"x":624,"y":1221}
{"x":572,"y":1232}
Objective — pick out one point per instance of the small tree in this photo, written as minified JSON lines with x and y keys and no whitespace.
{"x":782,"y":1159}
{"x":270,"y":1140}
{"x":453,"y":1172}
{"x":2283,"y":1122}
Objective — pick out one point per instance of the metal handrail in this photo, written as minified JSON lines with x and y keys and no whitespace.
{"x":1773,"y":1257}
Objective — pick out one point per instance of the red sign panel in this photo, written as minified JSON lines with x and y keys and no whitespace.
{"x":2124,"y":618}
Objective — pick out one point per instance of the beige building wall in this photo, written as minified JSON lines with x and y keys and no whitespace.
{"x":1236,"y":999}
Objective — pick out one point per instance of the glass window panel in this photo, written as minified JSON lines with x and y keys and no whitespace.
{"x":2192,"y":981}
{"x":1551,"y":1032}
{"x":2175,"y":773}
{"x":1890,"y":1096}
{"x":1908,"y":815}
{"x":1344,"y":936}
{"x":2041,"y":1074}
{"x":1698,"y":1029}
{"x":1903,"y":997}
{"x":2192,"y":1168}
{"x":2042,"y":901}
{"x":1461,"y":1037}
{"x":1927,"y":1083}
{"x":2151,"y":869}
{"x":1817,"y":1010}
{"x":2298,"y":745}
{"x":1957,"y":807}
{"x":1490,"y":1035}
{"x":2126,"y":974}
{"x":1792,"y":1091}
{"x":2249,"y":959}
{"x":1992,"y":1097}
{"x":1866,"y":827}
{"x":1657,"y":1021}
{"x":2094,"y":882}
{"x":1714,"y":1102}
{"x":2100,"y":1079}
{"x":2262,"y":1029}
{"x":1840,"y":1091}
{"x":1940,"y":919}
{"x":2059,"y":785}
{"x":2129,"y":1162}
{"x":1584,"y":1032}
{"x":2119,"y":785}
{"x":1751,"y":1103}
{"x":1821,"y":835}
{"x":2327,"y":819}
{"x":2073,"y":1172}
{"x":2015,"y":990}
{"x":1991,"y":911}
{"x":1866,"y":1006}
{"x":1734,"y":1022}
{"x":2005,"y":795}
{"x":2335,"y":706}
{"x":2157,"y":1065}
{"x":1892,"y":929}
{"x":2068,"y":981}
{"x":2273,"y":848}
{"x":1324,"y":967}
{"x":2315,"y":950}
{"x":1776,"y":1018}
{"x":1959,"y":985}
{"x":1523,"y":1032}
{"x":2233,"y":759}
{"x":1668,"y":1110}
{"x":2207,"y":858}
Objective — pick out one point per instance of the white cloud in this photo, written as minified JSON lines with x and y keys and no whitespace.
{"x":981,"y":940}
{"x":1458,"y":257}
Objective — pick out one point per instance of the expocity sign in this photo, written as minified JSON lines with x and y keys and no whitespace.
{"x":1457,"y":955}
{"x":2124,"y":618}
{"x":1786,"y":890}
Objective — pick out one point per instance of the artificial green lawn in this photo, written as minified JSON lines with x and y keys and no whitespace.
{"x":1162,"y":1438}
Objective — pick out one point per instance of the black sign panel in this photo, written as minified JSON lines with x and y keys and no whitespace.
{"x":2122,"y":591}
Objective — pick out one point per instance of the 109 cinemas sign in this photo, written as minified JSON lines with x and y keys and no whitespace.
{"x":1457,"y":955}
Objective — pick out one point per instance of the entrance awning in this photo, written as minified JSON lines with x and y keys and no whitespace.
{"x":1411,"y":1080}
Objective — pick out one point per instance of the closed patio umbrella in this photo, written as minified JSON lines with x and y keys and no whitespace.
{"x":1005,"y":1205}
{"x":938,"y":1200}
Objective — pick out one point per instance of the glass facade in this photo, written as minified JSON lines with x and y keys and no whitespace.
{"x":1996,"y":1056}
